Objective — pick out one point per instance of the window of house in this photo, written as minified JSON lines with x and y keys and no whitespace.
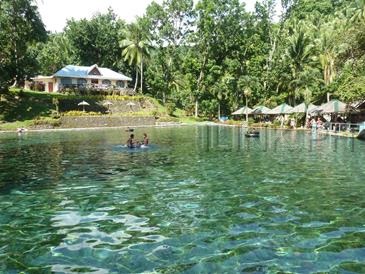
{"x":106,"y":82}
{"x":66,"y":81}
{"x":120,"y":84}
{"x":81,"y":82}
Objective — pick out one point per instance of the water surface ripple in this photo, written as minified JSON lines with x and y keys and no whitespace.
{"x":199,"y":200}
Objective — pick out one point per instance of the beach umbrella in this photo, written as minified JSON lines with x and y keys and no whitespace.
{"x":301,"y":108}
{"x":83,"y":104}
{"x":242,"y":111}
{"x":281,"y":109}
{"x":108,"y":104}
{"x":260,"y":110}
{"x":131,"y":104}
{"x":333,"y":106}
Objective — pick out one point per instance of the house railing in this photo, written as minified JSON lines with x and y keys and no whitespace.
{"x":341,"y":127}
{"x":87,"y":88}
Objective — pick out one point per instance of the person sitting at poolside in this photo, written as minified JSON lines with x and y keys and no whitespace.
{"x":314,"y":124}
{"x":319,"y":123}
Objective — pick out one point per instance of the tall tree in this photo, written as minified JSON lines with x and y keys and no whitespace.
{"x":170,"y":25}
{"x":96,"y":41}
{"x":221,"y":42}
{"x":20,"y":26}
{"x":136,"y":48}
{"x":299,"y":55}
{"x":56,"y":53}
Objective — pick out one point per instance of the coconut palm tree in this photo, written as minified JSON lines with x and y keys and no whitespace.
{"x":136,"y":49}
{"x":299,"y":55}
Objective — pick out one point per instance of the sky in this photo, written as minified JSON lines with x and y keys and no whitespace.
{"x":55,"y":13}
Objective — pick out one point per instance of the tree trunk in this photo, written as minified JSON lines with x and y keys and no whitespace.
{"x":15,"y":47}
{"x":135,"y":84}
{"x":199,"y":83}
{"x":246,"y":112}
{"x":142,"y":75}
{"x":196,"y":108}
{"x":219,"y":111}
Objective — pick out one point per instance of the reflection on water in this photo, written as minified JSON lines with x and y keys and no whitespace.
{"x":201,"y":200}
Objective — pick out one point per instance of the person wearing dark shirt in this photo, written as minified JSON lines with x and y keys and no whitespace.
{"x":131,"y":142}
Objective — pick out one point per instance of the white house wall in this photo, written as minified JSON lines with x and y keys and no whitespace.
{"x":57,"y":82}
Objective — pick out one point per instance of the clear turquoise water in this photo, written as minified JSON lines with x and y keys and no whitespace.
{"x":200,"y":200}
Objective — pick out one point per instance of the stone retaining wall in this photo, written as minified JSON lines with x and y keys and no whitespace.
{"x":107,"y":121}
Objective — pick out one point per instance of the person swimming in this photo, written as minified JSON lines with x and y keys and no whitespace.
{"x":145,"y":139}
{"x":131,"y":143}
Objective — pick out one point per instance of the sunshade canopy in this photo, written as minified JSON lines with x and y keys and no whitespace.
{"x":281,"y":109}
{"x":260,"y":110}
{"x":242,"y":110}
{"x":83,"y":103}
{"x":107,"y":103}
{"x":333,"y":106}
{"x":301,"y":108}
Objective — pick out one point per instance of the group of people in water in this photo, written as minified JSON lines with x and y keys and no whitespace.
{"x":132,"y":143}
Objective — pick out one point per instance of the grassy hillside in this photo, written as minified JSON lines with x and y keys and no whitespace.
{"x":20,"y":108}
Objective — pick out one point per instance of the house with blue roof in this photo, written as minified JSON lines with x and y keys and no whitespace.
{"x":83,"y":77}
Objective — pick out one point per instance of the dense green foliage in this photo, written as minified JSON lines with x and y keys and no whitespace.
{"x":202,"y":57}
{"x":20,"y":27}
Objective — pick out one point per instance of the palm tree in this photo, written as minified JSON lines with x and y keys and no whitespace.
{"x":136,"y":49}
{"x":299,"y":55}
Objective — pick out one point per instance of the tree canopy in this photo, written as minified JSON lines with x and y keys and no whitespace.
{"x":202,"y":56}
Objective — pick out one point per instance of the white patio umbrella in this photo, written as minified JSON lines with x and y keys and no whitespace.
{"x":131,"y":104}
{"x":108,"y":104}
{"x":242,"y":111}
{"x":83,"y":104}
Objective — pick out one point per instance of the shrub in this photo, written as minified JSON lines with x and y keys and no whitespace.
{"x":170,"y":108}
{"x":81,"y":113}
{"x":276,"y":124}
{"x":233,"y":122}
{"x":42,"y":121}
{"x":251,"y":120}
{"x":55,"y":114}
{"x":155,"y":113}
{"x":198,"y":119}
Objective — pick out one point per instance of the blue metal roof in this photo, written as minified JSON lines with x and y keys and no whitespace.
{"x":83,"y":72}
